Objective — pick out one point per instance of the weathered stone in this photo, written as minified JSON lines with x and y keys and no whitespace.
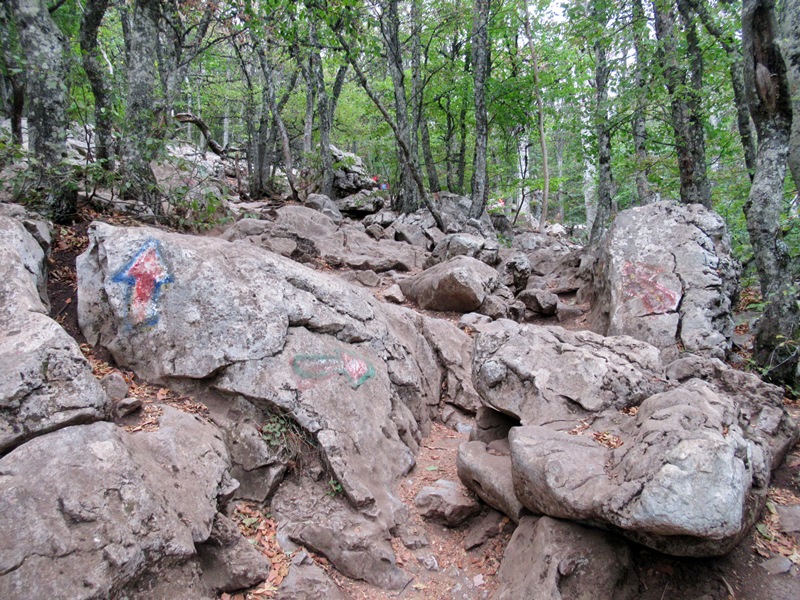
{"x":127,"y":406}
{"x":115,"y":506}
{"x":361,"y":203}
{"x":446,"y":501}
{"x":357,"y":547}
{"x":489,"y":526}
{"x":460,"y":284}
{"x":412,"y":537}
{"x":45,"y":382}
{"x":777,"y":565}
{"x":548,"y":559}
{"x":472,"y":319}
{"x":489,"y":476}
{"x":491,"y":425}
{"x":326,"y":206}
{"x":539,"y":301}
{"x":394,"y":294}
{"x":514,"y":270}
{"x":666,"y":276}
{"x":115,"y":386}
{"x":790,"y":518}
{"x":229,"y":561}
{"x":307,"y":581}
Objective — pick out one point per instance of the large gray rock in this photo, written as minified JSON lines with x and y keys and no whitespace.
{"x":88,"y":509}
{"x":288,"y":339}
{"x":306,"y":235}
{"x":461,"y":284}
{"x":45,"y":382}
{"x":306,"y":581}
{"x":230,"y":562}
{"x":665,"y":275}
{"x":350,"y":174}
{"x":673,"y":461}
{"x":364,"y":202}
{"x":488,"y":474}
{"x":548,"y":559}
{"x":309,"y":515}
{"x":447,"y":502}
{"x":326,"y":206}
{"x":465,"y":244}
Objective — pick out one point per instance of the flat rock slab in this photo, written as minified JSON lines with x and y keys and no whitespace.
{"x":447,"y":502}
{"x":548,"y":559}
{"x":106,"y":506}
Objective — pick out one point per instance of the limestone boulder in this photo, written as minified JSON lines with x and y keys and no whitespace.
{"x":45,"y":382}
{"x":548,"y":559}
{"x":115,"y":506}
{"x":307,"y":581}
{"x":488,"y":475}
{"x":447,"y":502}
{"x":665,"y":275}
{"x":362,"y":203}
{"x":475,"y":246}
{"x":326,"y":206}
{"x":460,"y":284}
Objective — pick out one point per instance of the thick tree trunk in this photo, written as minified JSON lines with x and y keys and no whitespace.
{"x":602,"y":71}
{"x":480,"y":64}
{"x":767,"y":87}
{"x":90,"y":25}
{"x":338,"y":85}
{"x":13,"y":73}
{"x":138,"y":148}
{"x":407,"y":199}
{"x":685,"y":100}
{"x":45,"y":50}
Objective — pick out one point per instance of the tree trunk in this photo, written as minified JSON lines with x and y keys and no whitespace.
{"x":639,"y":26}
{"x":323,"y":113}
{"x":338,"y":84}
{"x":90,"y":25}
{"x":789,"y":21}
{"x":537,"y":90}
{"x":418,"y":98}
{"x":480,"y":66}
{"x":407,"y":199}
{"x":45,"y":50}
{"x":13,"y":73}
{"x":308,"y":120}
{"x":602,"y":130}
{"x":767,"y":88}
{"x":730,"y":46}
{"x":138,"y":148}
{"x":685,"y":101}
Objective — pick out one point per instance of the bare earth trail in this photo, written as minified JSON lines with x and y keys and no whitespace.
{"x":758,"y":569}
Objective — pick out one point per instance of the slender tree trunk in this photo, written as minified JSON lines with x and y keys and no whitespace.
{"x":308,"y":120}
{"x":789,"y":21}
{"x":602,"y":130}
{"x":338,"y":84}
{"x":684,"y":93}
{"x":45,"y":50}
{"x":407,"y":199}
{"x":733,"y":52}
{"x":767,"y":87}
{"x":537,"y":90}
{"x":90,"y":24}
{"x":323,"y":113}
{"x":639,"y":25}
{"x":480,"y":62}
{"x":138,"y":144}
{"x":418,"y":99}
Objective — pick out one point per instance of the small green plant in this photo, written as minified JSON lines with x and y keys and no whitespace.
{"x":275,"y":430}
{"x":334,"y":488}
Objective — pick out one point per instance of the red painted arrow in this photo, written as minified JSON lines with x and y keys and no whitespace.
{"x":145,"y":273}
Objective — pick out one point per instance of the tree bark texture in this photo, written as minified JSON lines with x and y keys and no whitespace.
{"x":639,"y":26}
{"x":139,"y":147}
{"x":480,"y":66}
{"x":12,"y":72}
{"x":603,"y":133}
{"x":420,"y":125}
{"x":767,"y":88}
{"x":45,"y":50}
{"x":683,"y":85}
{"x":789,"y":21}
{"x":407,"y":199}
{"x":323,"y":113}
{"x":90,"y":25}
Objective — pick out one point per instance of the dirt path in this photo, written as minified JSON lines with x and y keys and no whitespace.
{"x":443,"y":568}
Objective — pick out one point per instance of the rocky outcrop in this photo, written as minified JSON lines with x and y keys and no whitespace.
{"x":677,"y":458}
{"x":349,"y":174}
{"x":548,"y":559}
{"x":488,"y":473}
{"x":116,"y":506}
{"x":273,"y":337}
{"x":45,"y":382}
{"x":483,"y":249}
{"x":309,"y":236}
{"x":665,"y":275}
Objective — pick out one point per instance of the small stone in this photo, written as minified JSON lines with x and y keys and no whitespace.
{"x":115,"y":386}
{"x":375,"y":231}
{"x":368,"y":278}
{"x":478,"y":581}
{"x":127,"y":406}
{"x":472,"y":319}
{"x":488,"y":527}
{"x":447,"y":502}
{"x":394,"y":294}
{"x":779,"y":564}
{"x":429,"y":562}
{"x":412,"y":538}
{"x":790,"y":518}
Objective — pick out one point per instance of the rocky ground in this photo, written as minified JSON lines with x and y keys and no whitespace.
{"x":463,"y":561}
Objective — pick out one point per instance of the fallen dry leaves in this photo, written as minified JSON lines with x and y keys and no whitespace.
{"x":609,"y":440}
{"x":579,"y":429}
{"x":260,"y":529}
{"x":770,"y":538}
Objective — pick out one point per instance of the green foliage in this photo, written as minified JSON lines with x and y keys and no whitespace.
{"x":334,"y":488}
